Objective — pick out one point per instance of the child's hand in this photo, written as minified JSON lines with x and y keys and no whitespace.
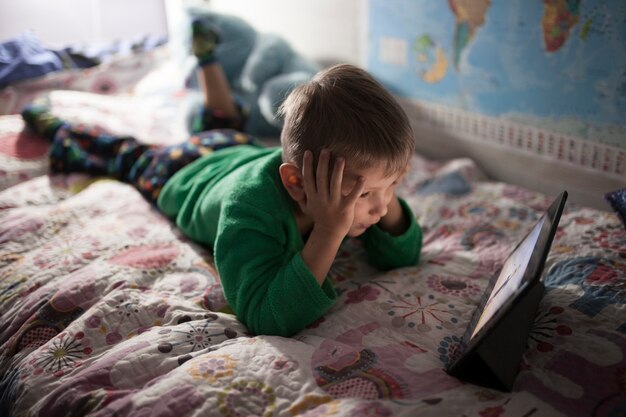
{"x":331,"y":211}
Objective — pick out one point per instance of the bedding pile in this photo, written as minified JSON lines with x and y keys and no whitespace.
{"x":107,"y":309}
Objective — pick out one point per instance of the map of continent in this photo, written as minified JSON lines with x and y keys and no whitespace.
{"x":470,"y":15}
{"x":433,"y":64}
{"x":559,"y":18}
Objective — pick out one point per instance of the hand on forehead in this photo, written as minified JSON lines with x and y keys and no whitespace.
{"x":376,"y":175}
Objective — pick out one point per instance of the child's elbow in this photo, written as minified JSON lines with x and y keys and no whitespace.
{"x":269,"y":328}
{"x":388,"y":264}
{"x":390,"y":267}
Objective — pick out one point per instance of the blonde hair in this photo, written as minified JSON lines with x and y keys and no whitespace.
{"x":345,"y":110}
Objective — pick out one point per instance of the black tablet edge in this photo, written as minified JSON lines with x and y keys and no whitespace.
{"x":470,"y":344}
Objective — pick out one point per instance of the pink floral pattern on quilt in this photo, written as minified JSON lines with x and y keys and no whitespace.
{"x":107,"y":309}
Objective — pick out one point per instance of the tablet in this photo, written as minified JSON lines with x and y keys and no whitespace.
{"x":495,"y":338}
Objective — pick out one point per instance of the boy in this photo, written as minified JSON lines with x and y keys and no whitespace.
{"x":274,"y":217}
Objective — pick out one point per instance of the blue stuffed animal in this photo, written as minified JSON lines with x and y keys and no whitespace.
{"x":262,"y":69}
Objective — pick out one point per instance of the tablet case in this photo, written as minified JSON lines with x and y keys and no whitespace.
{"x":493,"y":360}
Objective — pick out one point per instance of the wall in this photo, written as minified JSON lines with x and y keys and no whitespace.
{"x":328,"y":31}
{"x":60,"y":22}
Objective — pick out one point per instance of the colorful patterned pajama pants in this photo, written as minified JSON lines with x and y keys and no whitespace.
{"x":83,"y":149}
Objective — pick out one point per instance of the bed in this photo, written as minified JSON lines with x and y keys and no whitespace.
{"x":107,"y":309}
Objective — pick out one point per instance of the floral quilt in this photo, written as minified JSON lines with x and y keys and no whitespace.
{"x":106,"y":309}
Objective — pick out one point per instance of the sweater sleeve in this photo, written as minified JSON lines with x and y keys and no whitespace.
{"x":263,"y":274}
{"x":386,"y":252}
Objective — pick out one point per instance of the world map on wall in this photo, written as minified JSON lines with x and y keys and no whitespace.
{"x":555,"y":64}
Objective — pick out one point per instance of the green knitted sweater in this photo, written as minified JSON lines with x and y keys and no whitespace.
{"x":234,"y":202}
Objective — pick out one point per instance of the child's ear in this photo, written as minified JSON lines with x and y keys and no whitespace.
{"x":292,"y":180}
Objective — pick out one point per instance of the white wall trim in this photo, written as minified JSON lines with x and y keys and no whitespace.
{"x":533,"y":157}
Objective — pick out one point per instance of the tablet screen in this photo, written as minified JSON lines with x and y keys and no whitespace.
{"x":511,"y":276}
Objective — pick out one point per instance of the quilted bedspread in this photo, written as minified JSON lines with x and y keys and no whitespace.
{"x":107,"y":309}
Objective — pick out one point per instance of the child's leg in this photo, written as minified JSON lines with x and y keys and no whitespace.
{"x":218,"y":98}
{"x":83,"y":149}
{"x":78,"y":150}
{"x":156,"y":166}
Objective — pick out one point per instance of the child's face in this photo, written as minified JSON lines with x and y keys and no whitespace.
{"x":375,"y":198}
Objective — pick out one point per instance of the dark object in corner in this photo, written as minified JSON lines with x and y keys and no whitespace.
{"x":617,"y":200}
